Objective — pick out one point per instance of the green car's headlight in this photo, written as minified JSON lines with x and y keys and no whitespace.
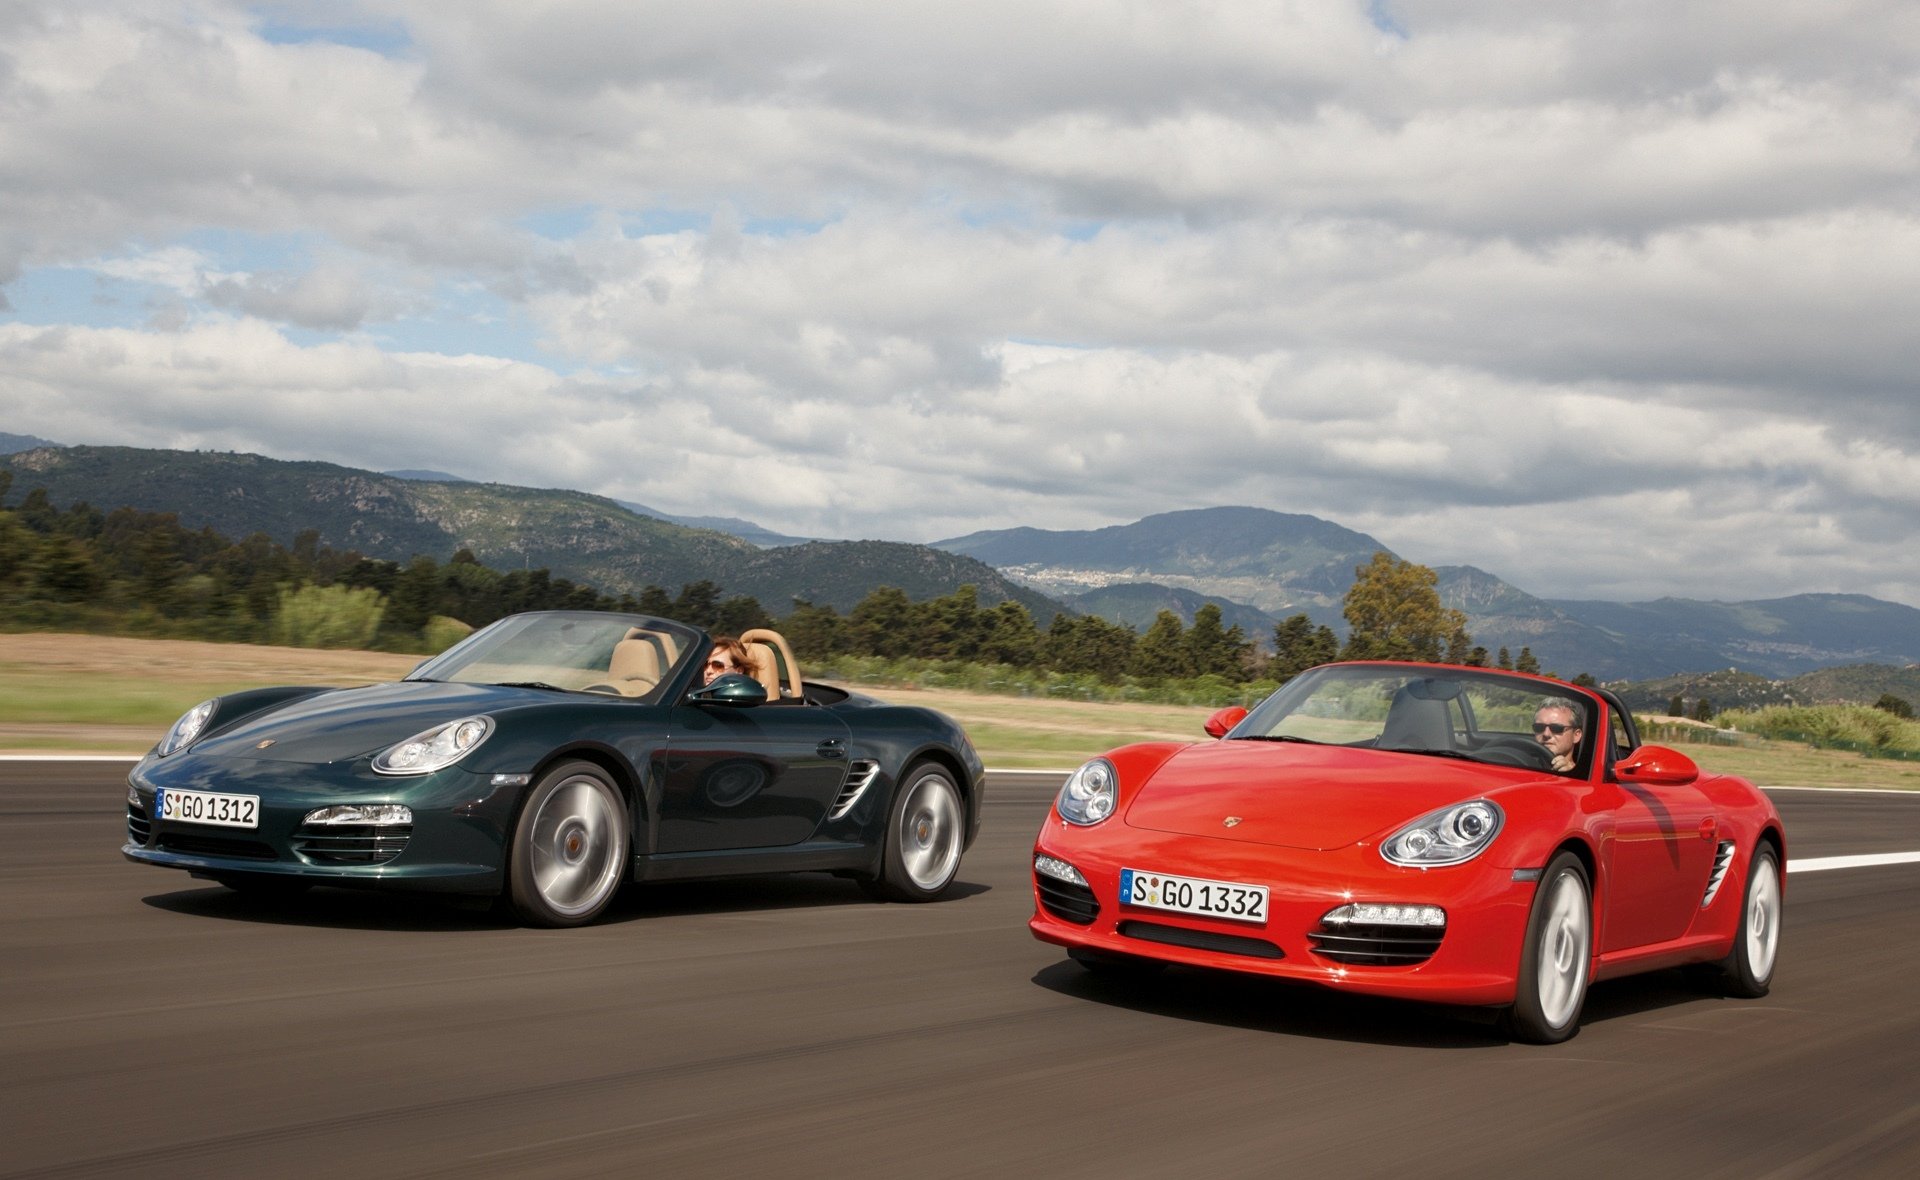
{"x":186,"y":729}
{"x":436,"y":749}
{"x":1090,"y":793}
{"x":1449,"y":836}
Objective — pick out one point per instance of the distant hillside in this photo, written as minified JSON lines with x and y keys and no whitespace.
{"x":14,"y":443}
{"x":1137,"y":603}
{"x":1278,"y":562}
{"x":427,"y":476}
{"x":588,"y":539}
{"x":1858,"y":684}
{"x":746,"y":530}
{"x":1779,"y":637}
{"x":841,"y":573}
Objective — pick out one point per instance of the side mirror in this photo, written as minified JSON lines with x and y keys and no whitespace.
{"x":1658,"y":766}
{"x":732,"y":690}
{"x":1218,"y":724}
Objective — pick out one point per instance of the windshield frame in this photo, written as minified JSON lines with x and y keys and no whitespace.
{"x":593,"y":651}
{"x":1470,"y":737}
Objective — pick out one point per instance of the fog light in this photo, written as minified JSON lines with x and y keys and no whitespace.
{"x":376,"y":814}
{"x":1371,"y":913}
{"x":133,"y":796}
{"x":1059,"y":870}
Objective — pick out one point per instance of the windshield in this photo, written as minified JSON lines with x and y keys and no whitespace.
{"x":571,"y":651}
{"x":1441,"y":712}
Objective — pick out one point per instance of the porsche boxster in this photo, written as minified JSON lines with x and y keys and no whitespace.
{"x":551,"y":757}
{"x":1450,"y":834}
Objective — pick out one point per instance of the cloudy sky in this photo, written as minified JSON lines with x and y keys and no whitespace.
{"x":1615,"y":300}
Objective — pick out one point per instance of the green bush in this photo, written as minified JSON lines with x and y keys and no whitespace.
{"x":327,"y":616}
{"x":442,"y":633}
{"x":1843,"y":726}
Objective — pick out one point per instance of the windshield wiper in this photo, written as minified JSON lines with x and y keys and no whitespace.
{"x":529,"y":684}
{"x":1429,"y":753}
{"x":1277,"y":737}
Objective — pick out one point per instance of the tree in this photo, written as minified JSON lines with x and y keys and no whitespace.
{"x":1525,"y":662}
{"x":1299,"y":645}
{"x":1393,"y":612}
{"x":1898,"y":706}
{"x":1703,"y":710}
{"x":814,"y":631}
{"x":880,"y":624}
{"x":1216,"y":651}
{"x":739,"y":614}
{"x":1089,"y":644}
{"x":1161,"y":653}
{"x":1677,"y":707}
{"x":1505,"y":660}
{"x":1586,"y":680}
{"x":1010,"y":638}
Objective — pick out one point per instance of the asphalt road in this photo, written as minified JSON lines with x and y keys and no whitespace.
{"x":159,"y":1026}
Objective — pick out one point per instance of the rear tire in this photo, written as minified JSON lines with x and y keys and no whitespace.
{"x":1556,"y":958}
{"x":926,"y":833}
{"x":569,"y":854}
{"x":1747,"y":971}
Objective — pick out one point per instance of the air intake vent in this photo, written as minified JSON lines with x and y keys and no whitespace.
{"x":1202,"y":940}
{"x":1067,"y":901}
{"x":860,"y":776}
{"x":1377,"y":946}
{"x":139,"y":827}
{"x":352,"y":844}
{"x":1722,"y":857}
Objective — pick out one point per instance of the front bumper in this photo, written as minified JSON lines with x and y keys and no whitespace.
{"x":456,"y":843}
{"x":1474,"y":960}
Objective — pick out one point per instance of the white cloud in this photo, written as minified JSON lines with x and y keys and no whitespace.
{"x":935,"y":268}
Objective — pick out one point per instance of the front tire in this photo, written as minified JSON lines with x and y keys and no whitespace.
{"x":1556,"y":958}
{"x":569,"y":851}
{"x":926,"y":833}
{"x":1747,"y":971}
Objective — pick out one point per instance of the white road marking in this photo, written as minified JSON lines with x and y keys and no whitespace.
{"x":1820,"y":864}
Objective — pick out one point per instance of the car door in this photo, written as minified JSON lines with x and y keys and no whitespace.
{"x":756,"y":777}
{"x":1658,"y":860}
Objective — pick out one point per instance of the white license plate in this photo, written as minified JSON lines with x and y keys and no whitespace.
{"x":208,"y":807}
{"x":1194,"y":895}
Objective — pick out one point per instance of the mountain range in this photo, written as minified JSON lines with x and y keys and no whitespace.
{"x":1257,"y":565}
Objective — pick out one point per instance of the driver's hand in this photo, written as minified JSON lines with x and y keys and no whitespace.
{"x":1563,"y":762}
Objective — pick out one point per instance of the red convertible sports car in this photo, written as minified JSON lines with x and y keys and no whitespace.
{"x":1456,"y":835}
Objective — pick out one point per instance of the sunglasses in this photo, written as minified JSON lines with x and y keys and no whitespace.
{"x":1550,"y":727}
{"x":719,"y":666}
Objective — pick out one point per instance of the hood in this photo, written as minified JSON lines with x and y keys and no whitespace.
{"x":1302,"y":796}
{"x":351,"y":723}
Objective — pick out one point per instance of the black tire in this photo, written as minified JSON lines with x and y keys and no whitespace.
{"x":926,"y":833}
{"x":1556,"y":960}
{"x":569,"y":854}
{"x":265,"y":886}
{"x":1747,"y":971}
{"x":1113,"y":965}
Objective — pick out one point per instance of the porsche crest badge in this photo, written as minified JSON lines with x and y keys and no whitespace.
{"x":1231,"y":821}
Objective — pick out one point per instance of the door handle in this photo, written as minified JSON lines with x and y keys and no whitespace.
{"x":831,"y":748}
{"x":1707,"y":828}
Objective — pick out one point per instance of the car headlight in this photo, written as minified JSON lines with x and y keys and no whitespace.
{"x":436,"y":749}
{"x":1449,"y":836}
{"x":186,"y":729}
{"x":1090,"y":793}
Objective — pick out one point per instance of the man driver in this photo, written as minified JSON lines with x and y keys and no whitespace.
{"x":1557,"y":727}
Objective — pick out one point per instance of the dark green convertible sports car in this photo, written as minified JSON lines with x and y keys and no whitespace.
{"x":551,"y":757}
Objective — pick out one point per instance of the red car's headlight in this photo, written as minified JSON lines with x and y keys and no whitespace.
{"x":1449,"y":836}
{"x":1090,"y":793}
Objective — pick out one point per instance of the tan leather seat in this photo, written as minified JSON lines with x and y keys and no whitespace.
{"x":770,"y":654}
{"x":636,"y":664}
